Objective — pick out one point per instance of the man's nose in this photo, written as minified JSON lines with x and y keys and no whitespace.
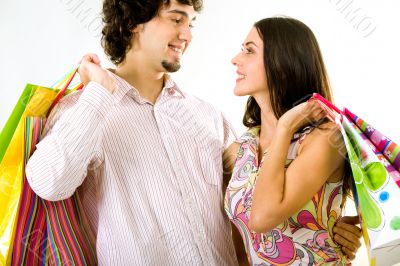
{"x":185,"y":34}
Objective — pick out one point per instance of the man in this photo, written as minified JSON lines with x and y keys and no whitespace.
{"x":147,"y":156}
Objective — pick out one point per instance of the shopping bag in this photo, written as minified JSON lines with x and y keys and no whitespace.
{"x":30,"y":89}
{"x":11,"y":124}
{"x":12,"y":164}
{"x":50,"y":232}
{"x":374,"y":161}
{"x":386,"y":150}
{"x":47,"y":232}
{"x":31,"y":239}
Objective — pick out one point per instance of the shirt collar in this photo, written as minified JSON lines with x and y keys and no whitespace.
{"x":170,"y":89}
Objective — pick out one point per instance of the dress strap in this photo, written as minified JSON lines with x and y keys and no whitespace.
{"x":298,"y":138}
{"x":250,"y":135}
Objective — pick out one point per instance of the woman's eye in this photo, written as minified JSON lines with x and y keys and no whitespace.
{"x":247,"y":50}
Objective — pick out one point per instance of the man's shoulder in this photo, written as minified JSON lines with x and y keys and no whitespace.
{"x":198,"y":104}
{"x":66,"y":103}
{"x":71,"y":98}
{"x":60,"y":108}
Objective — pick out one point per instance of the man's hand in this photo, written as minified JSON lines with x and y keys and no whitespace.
{"x":347,"y":235}
{"x":91,"y":70}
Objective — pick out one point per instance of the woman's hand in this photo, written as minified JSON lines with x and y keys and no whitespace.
{"x":301,"y":115}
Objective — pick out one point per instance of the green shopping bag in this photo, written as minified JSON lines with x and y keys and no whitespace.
{"x":375,"y":165}
{"x":11,"y":124}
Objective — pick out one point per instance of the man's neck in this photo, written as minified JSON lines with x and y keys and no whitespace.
{"x":148,"y":83}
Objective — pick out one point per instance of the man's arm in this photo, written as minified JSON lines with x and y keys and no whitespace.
{"x":348,"y":235}
{"x":229,"y":158}
{"x":239,"y":247}
{"x":59,"y":164}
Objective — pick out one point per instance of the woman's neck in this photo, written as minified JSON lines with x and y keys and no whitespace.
{"x":268,"y":125}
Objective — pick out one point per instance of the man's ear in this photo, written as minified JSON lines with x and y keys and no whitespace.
{"x":137,"y":29}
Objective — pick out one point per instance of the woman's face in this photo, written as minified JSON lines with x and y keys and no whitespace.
{"x":251,"y":79}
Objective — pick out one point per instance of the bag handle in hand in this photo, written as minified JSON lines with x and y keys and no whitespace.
{"x":329,"y":107}
{"x":63,"y":86}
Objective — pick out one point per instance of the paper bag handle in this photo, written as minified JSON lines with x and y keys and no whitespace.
{"x":329,"y":107}
{"x":64,"y":86}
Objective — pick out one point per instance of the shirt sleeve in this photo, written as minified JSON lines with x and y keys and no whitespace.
{"x":230,"y":135}
{"x":70,"y":145}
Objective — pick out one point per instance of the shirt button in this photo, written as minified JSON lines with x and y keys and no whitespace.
{"x":171,"y":91}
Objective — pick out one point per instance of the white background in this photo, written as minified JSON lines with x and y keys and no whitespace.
{"x":42,"y":40}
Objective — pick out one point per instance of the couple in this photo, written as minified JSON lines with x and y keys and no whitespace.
{"x":148,"y":159}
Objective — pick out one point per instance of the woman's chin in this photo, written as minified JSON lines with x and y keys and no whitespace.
{"x":239,"y":92}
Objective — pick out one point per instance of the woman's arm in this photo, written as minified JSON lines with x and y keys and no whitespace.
{"x":279,"y":193}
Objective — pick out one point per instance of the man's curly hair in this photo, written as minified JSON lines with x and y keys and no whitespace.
{"x":121,"y":16}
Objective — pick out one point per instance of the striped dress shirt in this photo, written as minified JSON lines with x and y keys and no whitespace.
{"x":150,"y":176}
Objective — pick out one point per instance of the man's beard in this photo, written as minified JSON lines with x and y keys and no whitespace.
{"x":171,"y":67}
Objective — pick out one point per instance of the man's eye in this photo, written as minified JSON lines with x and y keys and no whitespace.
{"x":177,"y":21}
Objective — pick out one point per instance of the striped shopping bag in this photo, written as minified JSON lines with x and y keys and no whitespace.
{"x":54,"y":233}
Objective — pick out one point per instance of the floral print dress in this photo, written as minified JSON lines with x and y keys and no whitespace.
{"x":303,"y":239}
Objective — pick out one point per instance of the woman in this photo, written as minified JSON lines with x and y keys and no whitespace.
{"x":291,"y":151}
